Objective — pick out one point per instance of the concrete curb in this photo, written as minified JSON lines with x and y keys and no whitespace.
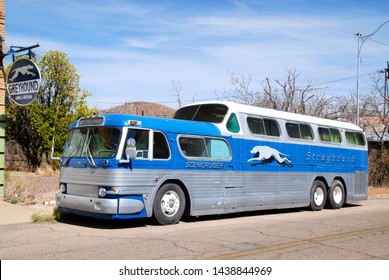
{"x":378,"y":196}
{"x":15,"y":213}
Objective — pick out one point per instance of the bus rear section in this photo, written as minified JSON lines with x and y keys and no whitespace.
{"x":285,"y":160}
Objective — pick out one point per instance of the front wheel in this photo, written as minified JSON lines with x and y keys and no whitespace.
{"x":318,"y":196}
{"x":169,"y":204}
{"x":336,"y":195}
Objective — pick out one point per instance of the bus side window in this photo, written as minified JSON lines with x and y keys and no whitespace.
{"x":324,"y":134}
{"x":331,"y":135}
{"x":293,"y":130}
{"x":355,"y":138}
{"x":142,"y":142}
{"x":299,"y":131}
{"x":233,"y":124}
{"x":261,"y":126}
{"x":350,"y":137}
{"x":360,"y":139}
{"x":335,"y":136}
{"x":256,"y":125}
{"x":306,"y":132}
{"x":161,"y":147}
{"x":271,"y":127}
{"x":204,"y":147}
{"x":193,"y":146}
{"x":218,"y":148}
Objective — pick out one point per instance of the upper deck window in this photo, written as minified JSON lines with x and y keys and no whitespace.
{"x":262,"y":126}
{"x":299,"y":131}
{"x":355,"y":138}
{"x":213,"y":113}
{"x":331,"y":135}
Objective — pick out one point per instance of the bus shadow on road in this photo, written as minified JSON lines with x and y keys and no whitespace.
{"x":103,"y":223}
{"x":192,"y":219}
{"x":148,"y":222}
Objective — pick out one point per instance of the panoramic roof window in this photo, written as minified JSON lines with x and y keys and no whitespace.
{"x":213,"y":113}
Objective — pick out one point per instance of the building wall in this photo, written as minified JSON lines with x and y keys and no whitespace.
{"x":2,"y":100}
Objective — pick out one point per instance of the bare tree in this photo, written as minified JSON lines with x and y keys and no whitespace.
{"x":375,"y":122}
{"x":285,"y":95}
{"x":242,"y":92}
{"x":177,"y":88}
{"x":375,"y":109}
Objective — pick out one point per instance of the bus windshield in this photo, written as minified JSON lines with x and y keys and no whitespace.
{"x":94,"y":142}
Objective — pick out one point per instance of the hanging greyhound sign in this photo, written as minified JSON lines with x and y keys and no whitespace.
{"x":23,"y":81}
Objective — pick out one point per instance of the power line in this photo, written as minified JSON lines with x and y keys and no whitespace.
{"x":315,"y":24}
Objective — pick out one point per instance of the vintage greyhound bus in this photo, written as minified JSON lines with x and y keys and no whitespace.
{"x":211,"y":158}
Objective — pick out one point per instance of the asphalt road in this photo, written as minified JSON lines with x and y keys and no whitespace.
{"x":353,"y":232}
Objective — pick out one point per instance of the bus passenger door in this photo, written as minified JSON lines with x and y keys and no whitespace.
{"x":161,"y":163}
{"x":137,"y":171}
{"x":234,"y":191}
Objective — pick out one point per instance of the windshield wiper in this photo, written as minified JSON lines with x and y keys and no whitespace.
{"x":89,"y":154}
{"x":72,"y":153}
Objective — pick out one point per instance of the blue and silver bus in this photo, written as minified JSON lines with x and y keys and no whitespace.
{"x":211,"y":158}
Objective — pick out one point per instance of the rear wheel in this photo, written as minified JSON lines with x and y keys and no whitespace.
{"x":336,"y":195}
{"x":169,"y":204}
{"x":318,"y":196}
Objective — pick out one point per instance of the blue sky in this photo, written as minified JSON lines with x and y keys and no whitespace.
{"x":129,"y":50}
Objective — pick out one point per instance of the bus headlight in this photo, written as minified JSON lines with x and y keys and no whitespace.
{"x":102,"y":191}
{"x":62,"y":188}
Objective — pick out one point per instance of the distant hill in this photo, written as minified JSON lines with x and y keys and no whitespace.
{"x":143,"y":109}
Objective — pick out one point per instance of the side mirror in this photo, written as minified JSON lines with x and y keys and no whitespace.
{"x":130,"y":149}
{"x":130,"y":153}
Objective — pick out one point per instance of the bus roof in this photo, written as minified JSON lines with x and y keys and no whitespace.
{"x":163,"y":124}
{"x":271,"y":113}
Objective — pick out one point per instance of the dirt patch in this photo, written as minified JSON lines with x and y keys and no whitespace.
{"x":30,"y":188}
{"x":378,"y":191}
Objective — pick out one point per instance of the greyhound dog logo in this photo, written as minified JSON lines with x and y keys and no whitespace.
{"x":24,"y":70}
{"x":266,"y":154}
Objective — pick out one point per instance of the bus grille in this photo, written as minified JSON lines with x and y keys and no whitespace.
{"x":82,"y":190}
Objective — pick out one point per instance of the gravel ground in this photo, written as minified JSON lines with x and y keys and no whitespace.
{"x":30,"y":188}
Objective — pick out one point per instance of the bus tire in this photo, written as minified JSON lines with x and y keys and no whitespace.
{"x":336,"y":195}
{"x":169,"y":204}
{"x":318,"y":196}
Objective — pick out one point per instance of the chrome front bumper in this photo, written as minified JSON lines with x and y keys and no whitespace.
{"x":100,"y":205}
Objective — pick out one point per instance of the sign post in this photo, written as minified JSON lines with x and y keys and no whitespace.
{"x":23,"y":81}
